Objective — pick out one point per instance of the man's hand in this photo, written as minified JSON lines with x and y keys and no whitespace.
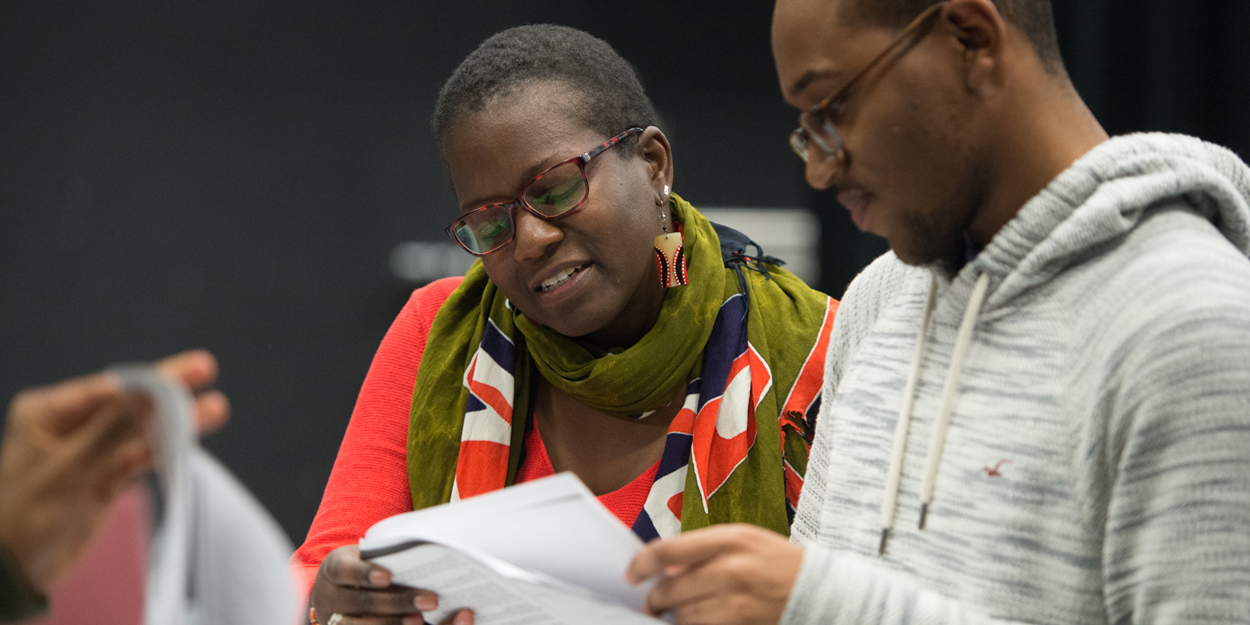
{"x":723,"y":574}
{"x":70,"y":449}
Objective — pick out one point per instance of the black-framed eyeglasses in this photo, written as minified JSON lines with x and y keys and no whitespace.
{"x":556,"y":192}
{"x":818,"y":125}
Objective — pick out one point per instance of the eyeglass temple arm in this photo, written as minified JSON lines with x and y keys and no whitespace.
{"x":606,"y":145}
{"x":903,"y":38}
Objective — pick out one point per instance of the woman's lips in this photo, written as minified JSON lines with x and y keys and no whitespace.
{"x":560,"y":278}
{"x":856,"y":201}
{"x":564,"y":288}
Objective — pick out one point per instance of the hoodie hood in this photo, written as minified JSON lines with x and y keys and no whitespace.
{"x":1107,"y":193}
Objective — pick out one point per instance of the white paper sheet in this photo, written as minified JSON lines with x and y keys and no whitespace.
{"x":554,"y":526}
{"x":499,"y":593}
{"x":218,"y":557}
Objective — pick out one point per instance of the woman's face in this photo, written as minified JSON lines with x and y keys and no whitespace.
{"x":613,"y":295}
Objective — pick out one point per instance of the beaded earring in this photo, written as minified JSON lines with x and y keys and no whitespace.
{"x":670,"y":255}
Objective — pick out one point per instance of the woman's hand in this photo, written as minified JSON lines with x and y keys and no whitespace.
{"x":363,"y":594}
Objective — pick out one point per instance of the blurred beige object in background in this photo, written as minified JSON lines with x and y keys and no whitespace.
{"x":791,"y":234}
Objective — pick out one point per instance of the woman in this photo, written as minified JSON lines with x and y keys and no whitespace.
{"x":608,"y":330}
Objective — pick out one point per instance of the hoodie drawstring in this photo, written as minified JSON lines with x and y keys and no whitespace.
{"x":938,"y":441}
{"x":890,"y":501}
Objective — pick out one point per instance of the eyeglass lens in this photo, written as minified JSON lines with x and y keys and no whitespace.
{"x":552,"y":194}
{"x":819,"y":129}
{"x":558,"y":190}
{"x":798,"y":143}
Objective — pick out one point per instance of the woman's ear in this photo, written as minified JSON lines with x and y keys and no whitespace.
{"x":657,"y":155}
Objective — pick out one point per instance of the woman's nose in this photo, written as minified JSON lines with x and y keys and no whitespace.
{"x":821,"y":168}
{"x":534,"y":236}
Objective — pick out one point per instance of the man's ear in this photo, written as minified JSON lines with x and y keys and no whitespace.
{"x":981,"y":32}
{"x":654,"y":150}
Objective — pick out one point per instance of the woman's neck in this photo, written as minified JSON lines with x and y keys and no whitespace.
{"x":627,"y":330}
{"x":606,"y":452}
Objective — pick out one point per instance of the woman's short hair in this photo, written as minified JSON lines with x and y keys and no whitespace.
{"x":608,"y":97}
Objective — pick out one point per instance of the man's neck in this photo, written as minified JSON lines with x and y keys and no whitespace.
{"x":1042,"y":131}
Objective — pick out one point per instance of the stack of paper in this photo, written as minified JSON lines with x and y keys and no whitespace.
{"x":540,"y":552}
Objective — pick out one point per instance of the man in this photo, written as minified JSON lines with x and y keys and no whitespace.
{"x":69,"y":451}
{"x":1038,"y":407}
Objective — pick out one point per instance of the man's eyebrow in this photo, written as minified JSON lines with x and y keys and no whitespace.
{"x":527,"y":176}
{"x":811,"y":76}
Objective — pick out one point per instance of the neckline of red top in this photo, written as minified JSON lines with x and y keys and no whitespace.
{"x":626,"y":502}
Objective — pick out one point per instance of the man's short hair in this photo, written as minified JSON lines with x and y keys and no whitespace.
{"x":1035,"y":18}
{"x":607,"y":96}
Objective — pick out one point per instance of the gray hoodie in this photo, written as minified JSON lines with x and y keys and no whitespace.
{"x":1071,"y":411}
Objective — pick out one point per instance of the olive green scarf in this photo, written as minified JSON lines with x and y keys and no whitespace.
{"x":482,"y":354}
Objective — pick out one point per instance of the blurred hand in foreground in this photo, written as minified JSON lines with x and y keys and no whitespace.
{"x":70,"y":449}
{"x":733,"y":573}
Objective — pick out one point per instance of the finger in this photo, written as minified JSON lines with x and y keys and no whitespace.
{"x":393,"y":601}
{"x":344,"y":567}
{"x":197,"y":368}
{"x":212,"y":411}
{"x":349,"y":585}
{"x":683,"y":550}
{"x":62,"y":407}
{"x":347,"y":619}
{"x":109,"y":428}
{"x":125,"y":465}
{"x":459,"y":617}
{"x":694,"y":585}
{"x":712,"y":609}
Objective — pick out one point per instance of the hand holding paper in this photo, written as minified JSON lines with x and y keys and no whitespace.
{"x":346,"y":584}
{"x":70,"y":449}
{"x":543,"y":552}
{"x":722,"y":574}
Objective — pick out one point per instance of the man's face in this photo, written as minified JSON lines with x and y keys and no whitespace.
{"x":909,"y":171}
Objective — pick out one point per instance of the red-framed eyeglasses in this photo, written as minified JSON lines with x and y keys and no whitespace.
{"x":559,"y":190}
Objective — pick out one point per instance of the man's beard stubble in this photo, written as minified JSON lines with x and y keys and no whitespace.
{"x":934,"y":242}
{"x":939,"y":239}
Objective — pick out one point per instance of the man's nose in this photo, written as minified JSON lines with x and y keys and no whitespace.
{"x":534,"y":236}
{"x":822,"y":168}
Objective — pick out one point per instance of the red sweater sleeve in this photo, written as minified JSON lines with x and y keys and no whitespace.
{"x":369,"y":481}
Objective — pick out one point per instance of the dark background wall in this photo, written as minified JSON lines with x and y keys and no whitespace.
{"x":234,"y":174}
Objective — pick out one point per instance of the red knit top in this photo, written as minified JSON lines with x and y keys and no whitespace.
{"x":369,"y":481}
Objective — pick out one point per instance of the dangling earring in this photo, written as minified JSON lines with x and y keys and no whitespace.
{"x":670,"y":254}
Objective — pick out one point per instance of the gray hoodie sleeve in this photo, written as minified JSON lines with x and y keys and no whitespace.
{"x":844,"y":588}
{"x":1177,"y":541}
{"x":1174,"y":500}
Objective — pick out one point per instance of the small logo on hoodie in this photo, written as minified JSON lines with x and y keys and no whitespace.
{"x":996,"y":471}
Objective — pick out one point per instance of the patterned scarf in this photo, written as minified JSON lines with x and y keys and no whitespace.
{"x":747,"y":338}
